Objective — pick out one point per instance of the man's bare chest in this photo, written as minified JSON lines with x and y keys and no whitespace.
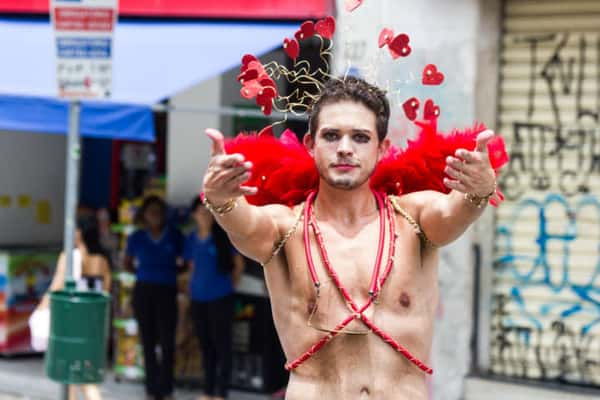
{"x":351,"y":264}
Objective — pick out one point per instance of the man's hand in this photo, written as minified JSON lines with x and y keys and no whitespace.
{"x":471,"y":171}
{"x":226,"y":173}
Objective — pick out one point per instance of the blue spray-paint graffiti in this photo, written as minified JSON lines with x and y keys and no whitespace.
{"x":552,"y":330}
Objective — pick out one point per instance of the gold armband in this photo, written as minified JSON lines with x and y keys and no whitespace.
{"x":480,"y":201}
{"x":222,"y":209}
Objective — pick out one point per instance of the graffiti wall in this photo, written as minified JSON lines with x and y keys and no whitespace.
{"x":546,"y":300}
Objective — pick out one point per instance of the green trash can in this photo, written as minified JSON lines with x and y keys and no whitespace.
{"x":77,"y":348}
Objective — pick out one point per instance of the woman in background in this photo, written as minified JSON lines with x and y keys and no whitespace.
{"x":154,"y":254}
{"x":216,"y":270}
{"x":91,"y":271}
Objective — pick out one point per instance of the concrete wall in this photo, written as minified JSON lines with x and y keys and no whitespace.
{"x":460,"y":37}
{"x":486,"y":106}
{"x":188,"y":148}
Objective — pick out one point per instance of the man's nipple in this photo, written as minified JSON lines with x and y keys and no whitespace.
{"x":311,"y":307}
{"x":405,"y":300}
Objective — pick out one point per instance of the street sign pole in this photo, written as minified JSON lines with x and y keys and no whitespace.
{"x":71,"y":195}
{"x":83,"y":42}
{"x":72,"y":186}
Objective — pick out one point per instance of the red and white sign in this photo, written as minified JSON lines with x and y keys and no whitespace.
{"x":242,"y":9}
{"x":84,"y":46}
{"x":84,"y":19}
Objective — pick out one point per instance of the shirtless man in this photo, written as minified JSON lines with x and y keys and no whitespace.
{"x":347,"y":139}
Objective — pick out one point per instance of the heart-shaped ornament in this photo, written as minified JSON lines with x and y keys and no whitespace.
{"x":291,"y":48}
{"x":306,"y":31}
{"x":247,"y":75}
{"x":431,"y":75}
{"x":411,"y":106}
{"x":266,"y":109}
{"x":267,"y":81}
{"x":399,"y":46}
{"x":431,"y":110}
{"x":352,"y":5}
{"x":265,"y":96}
{"x":326,"y":27}
{"x":256,"y":65}
{"x":246,"y":59}
{"x":265,"y":99}
{"x":250,"y":90}
{"x":385,"y":37}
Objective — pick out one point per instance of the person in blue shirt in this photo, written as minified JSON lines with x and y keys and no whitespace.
{"x":154,"y":254}
{"x":216,"y":269}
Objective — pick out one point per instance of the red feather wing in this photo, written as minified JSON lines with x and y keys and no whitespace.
{"x":421,"y":165}
{"x":283,"y":171}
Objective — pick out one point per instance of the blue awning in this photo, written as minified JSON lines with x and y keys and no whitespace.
{"x":151,"y":61}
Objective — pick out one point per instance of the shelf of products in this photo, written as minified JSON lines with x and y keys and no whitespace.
{"x":25,"y":275}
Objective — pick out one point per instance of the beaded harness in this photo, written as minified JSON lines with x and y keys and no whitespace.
{"x":386,"y":206}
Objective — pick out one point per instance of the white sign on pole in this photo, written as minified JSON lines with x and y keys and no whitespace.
{"x":84,"y":46}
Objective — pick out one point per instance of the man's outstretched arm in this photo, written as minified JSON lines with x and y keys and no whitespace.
{"x":445,"y":217}
{"x":253,"y":230}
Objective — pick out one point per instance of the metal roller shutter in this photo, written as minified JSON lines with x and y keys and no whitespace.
{"x":546,"y":297}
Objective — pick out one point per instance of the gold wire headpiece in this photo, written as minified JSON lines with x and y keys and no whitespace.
{"x":259,"y":81}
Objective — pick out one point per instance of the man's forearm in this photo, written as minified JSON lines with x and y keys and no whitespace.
{"x":240,"y":221}
{"x":252,"y":229}
{"x":456,"y":214}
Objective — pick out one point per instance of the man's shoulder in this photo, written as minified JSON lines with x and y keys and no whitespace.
{"x":416,"y":199}
{"x":414,"y":202}
{"x":280,"y":212}
{"x":284,"y":217}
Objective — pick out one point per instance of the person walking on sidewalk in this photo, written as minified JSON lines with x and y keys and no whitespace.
{"x":216,"y":270}
{"x":91,"y":271}
{"x":154,"y":254}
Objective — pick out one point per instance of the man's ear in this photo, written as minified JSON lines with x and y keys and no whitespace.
{"x":384,"y":146}
{"x":309,"y":142}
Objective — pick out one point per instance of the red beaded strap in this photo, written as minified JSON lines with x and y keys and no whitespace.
{"x":381,"y":205}
{"x":309,"y":259}
{"x":325,"y":339}
{"x":325,"y":258}
{"x":392,"y":248}
{"x":397,"y":346}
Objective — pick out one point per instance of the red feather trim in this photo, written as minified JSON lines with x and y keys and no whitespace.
{"x":285,"y":173}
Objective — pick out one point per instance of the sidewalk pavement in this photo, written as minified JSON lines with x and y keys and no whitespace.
{"x":22,"y":378}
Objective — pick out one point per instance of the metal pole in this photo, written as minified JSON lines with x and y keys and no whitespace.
{"x":71,"y":198}
{"x":71,"y":188}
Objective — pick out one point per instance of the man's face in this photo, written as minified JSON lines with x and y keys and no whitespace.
{"x":153,"y":216}
{"x":346,"y":148}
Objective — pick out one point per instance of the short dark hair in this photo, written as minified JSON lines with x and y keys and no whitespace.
{"x":90,"y":234}
{"x":357,"y":90}
{"x":148,"y":201}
